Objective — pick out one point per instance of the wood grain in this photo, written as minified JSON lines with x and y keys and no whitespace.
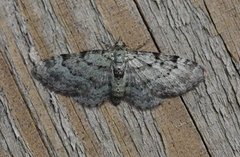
{"x":37,"y":122}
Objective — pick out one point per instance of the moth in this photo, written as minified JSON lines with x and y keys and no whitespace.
{"x":142,"y":79}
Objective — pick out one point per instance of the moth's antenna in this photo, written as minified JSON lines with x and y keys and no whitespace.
{"x":119,"y":45}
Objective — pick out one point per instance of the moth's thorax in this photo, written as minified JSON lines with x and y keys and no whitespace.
{"x":118,"y":81}
{"x":119,"y":65}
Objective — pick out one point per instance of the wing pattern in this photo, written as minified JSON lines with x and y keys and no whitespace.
{"x":153,"y":77}
{"x":150,"y":77}
{"x":84,"y":76}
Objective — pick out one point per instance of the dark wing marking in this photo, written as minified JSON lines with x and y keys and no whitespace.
{"x":137,"y":91}
{"x":162,"y":75}
{"x":84,"y":76}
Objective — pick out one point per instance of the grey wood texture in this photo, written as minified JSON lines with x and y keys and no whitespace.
{"x":37,"y":122}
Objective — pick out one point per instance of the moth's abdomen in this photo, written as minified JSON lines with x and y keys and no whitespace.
{"x":118,"y":87}
{"x":117,"y":93}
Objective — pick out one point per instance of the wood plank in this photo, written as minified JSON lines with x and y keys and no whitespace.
{"x":225,"y":17}
{"x":215,"y":105}
{"x":21,"y":116}
{"x":12,"y":143}
{"x":204,"y":122}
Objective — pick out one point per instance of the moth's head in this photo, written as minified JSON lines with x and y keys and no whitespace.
{"x":119,"y":63}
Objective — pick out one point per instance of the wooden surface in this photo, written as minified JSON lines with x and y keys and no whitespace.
{"x":37,"y":122}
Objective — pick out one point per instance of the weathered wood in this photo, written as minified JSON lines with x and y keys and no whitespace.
{"x":215,"y":106}
{"x":37,"y":122}
{"x":226,"y":19}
